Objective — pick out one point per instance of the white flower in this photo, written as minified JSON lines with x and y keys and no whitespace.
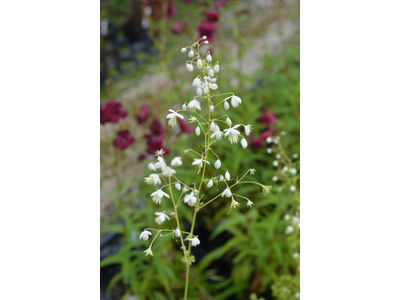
{"x":161,"y":217}
{"x":151,"y":167}
{"x":184,"y":106}
{"x":145,"y":235}
{"x":168,"y":172}
{"x":197,"y":131}
{"x":217,"y":134}
{"x":216,"y":68}
{"x":217,"y":164}
{"x":148,"y":252}
{"x":284,"y":169}
{"x":249,"y":203}
{"x":228,"y":121}
{"x":195,"y":241}
{"x":211,"y":73}
{"x":212,"y":126}
{"x":226,"y":105}
{"x":287,"y":217}
{"x":235,"y":101}
{"x":214,"y":80}
{"x":153,"y":179}
{"x":190,"y":199}
{"x":269,"y":150}
{"x":189,"y":67}
{"x":278,"y":156}
{"x":157,"y":196}
{"x":183,"y":50}
{"x":191,"y":53}
{"x":243,"y":142}
{"x":293,"y":171}
{"x":269,"y":140}
{"x":213,"y":86}
{"x":289,"y":229}
{"x":279,"y":189}
{"x":196,"y":82}
{"x":199,"y":162}
{"x":199,"y":64}
{"x":297,"y":295}
{"x":247,"y":129}
{"x":275,"y":163}
{"x":210,"y":183}
{"x":177,"y":232}
{"x":177,"y":161}
{"x":178,"y":186}
{"x":227,"y":193}
{"x":227,"y":175}
{"x":292,"y":188}
{"x":193,"y":105}
{"x":161,"y":164}
{"x":275,"y":178}
{"x":252,"y":171}
{"x":209,"y":58}
{"x":233,"y":134}
{"x":234,"y":203}
{"x":172,"y":116}
{"x":211,"y":108}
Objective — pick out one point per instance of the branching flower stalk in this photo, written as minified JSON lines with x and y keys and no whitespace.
{"x":209,"y":126}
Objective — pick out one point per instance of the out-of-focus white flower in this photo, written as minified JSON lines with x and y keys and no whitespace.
{"x":211,"y":108}
{"x":161,"y":164}
{"x":234,"y":203}
{"x":228,"y":121}
{"x":195,"y":241}
{"x":279,"y":188}
{"x":233,"y":134}
{"x":217,"y":134}
{"x":210,"y":183}
{"x":168,"y":172}
{"x":192,"y":119}
{"x":217,"y":164}
{"x":221,"y":178}
{"x":275,"y":163}
{"x":177,"y":232}
{"x":178,"y":186}
{"x":269,"y":140}
{"x":189,"y":67}
{"x":226,"y":105}
{"x":148,"y":252}
{"x":161,"y":217}
{"x":278,"y":156}
{"x":213,"y":86}
{"x":252,"y":171}
{"x":184,"y":106}
{"x":216,"y":68}
{"x":275,"y":178}
{"x":177,"y":161}
{"x":289,"y":229}
{"x":284,"y":169}
{"x":269,"y":150}
{"x":151,"y":167}
{"x":196,"y":82}
{"x":191,"y":53}
{"x":145,"y":235}
{"x":297,"y":295}
{"x":183,"y":50}
{"x":243,"y":142}
{"x":205,"y":89}
{"x":199,"y":64}
{"x":293,"y":171}
{"x":211,"y":73}
{"x":235,"y":101}
{"x":292,"y":188}
{"x":157,"y":196}
{"x":287,"y":217}
{"x":227,"y":193}
{"x":153,"y":179}
{"x":209,"y":58}
{"x":190,"y":199}
{"x":199,"y":92}
{"x":247,"y":129}
{"x":249,"y":203}
{"x":172,"y":116}
{"x":227,"y":175}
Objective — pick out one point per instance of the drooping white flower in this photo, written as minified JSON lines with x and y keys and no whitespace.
{"x":292,"y":188}
{"x":275,"y":163}
{"x":199,"y":92}
{"x":217,"y":164}
{"x":178,"y":186}
{"x":293,"y":171}
{"x":227,"y":193}
{"x":157,"y":196}
{"x":161,"y":164}
{"x":275,"y":178}
{"x":221,"y":178}
{"x":216,"y":68}
{"x":210,"y":183}
{"x":243,"y":142}
{"x":172,"y":116}
{"x":234,"y":203}
{"x":190,"y":199}
{"x":153,"y":179}
{"x":183,"y":50}
{"x":269,"y":150}
{"x":199,"y":64}
{"x":145,"y":235}
{"x":193,"y":105}
{"x":161,"y":217}
{"x":197,"y":131}
{"x":196,"y":82}
{"x":177,"y":232}
{"x":195,"y":241}
{"x":184,"y":106}
{"x":235,"y":101}
{"x":177,"y":161}
{"x":148,"y":252}
{"x":189,"y":67}
{"x":191,"y":53}
{"x":212,"y":126}
{"x":226,"y":105}
{"x":249,"y":203}
{"x":247,"y":129}
{"x":209,"y":58}
{"x":227,"y":175}
{"x":211,"y":108}
{"x":168,"y":172}
{"x":211,"y":73}
{"x":228,"y":121}
{"x":233,"y":134}
{"x":151,"y":167}
{"x":213,"y":86}
{"x":289,"y":229}
{"x":217,"y":134}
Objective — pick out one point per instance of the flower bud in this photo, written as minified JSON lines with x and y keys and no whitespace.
{"x":178,"y":186}
{"x":226,"y":105}
{"x":183,"y":50}
{"x":221,"y":178}
{"x":214,"y":80}
{"x":227,"y":175}
{"x":209,"y":58}
{"x":211,"y":108}
{"x":210,"y":183}
{"x":217,"y":164}
{"x":229,"y":121}
{"x":243,"y":142}
{"x":191,"y":54}
{"x":212,"y":126}
{"x":213,"y":86}
{"x":216,"y":68}
{"x":199,"y":92}
{"x":211,"y":73}
{"x":199,"y":64}
{"x":197,"y":131}
{"x":184,"y":106}
{"x":196,"y":82}
{"x":189,"y":67}
{"x":177,"y":232}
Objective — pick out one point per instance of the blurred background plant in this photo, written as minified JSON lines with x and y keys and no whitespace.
{"x":250,"y":251}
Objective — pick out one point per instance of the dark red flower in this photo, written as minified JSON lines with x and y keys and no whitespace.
{"x":184,"y":126}
{"x":154,"y":144}
{"x":123,"y":139}
{"x":256,"y":142}
{"x":211,"y":15}
{"x":171,"y":11}
{"x":267,"y":117}
{"x":143,"y":115}
{"x":156,"y":127}
{"x":207,"y":29}
{"x":142,"y":157}
{"x":111,"y":112}
{"x":176,"y":28}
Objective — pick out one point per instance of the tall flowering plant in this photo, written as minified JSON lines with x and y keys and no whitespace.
{"x":213,"y":128}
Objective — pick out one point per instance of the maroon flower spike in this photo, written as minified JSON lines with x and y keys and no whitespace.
{"x":156,"y":127}
{"x":123,"y":139}
{"x":142,"y":157}
{"x":111,"y":112}
{"x":171,"y":11}
{"x":256,"y":142}
{"x":267,"y":117}
{"x":143,"y":115}
{"x":211,"y":15}
{"x":207,"y":29}
{"x":154,"y":144}
{"x":176,"y":28}
{"x":184,"y":126}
